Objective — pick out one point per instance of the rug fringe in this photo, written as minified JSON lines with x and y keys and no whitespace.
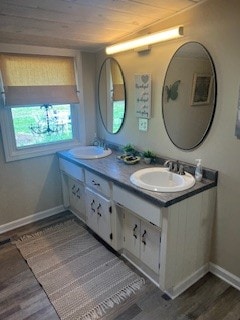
{"x":117,"y":298}
{"x":45,"y":231}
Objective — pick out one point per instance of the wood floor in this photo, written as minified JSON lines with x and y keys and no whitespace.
{"x":21,"y":296}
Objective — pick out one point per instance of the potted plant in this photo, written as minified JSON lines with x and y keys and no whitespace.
{"x":129,"y":150}
{"x":148,"y":156}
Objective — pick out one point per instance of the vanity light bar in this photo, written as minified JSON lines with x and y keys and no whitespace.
{"x":160,"y":36}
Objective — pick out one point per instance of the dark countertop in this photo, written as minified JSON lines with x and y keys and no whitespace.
{"x":119,"y":173}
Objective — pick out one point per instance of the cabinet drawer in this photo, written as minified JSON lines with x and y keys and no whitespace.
{"x":71,"y":169}
{"x":97,"y":183}
{"x":141,"y":207}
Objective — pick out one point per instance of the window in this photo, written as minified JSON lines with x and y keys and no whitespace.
{"x":118,"y":114}
{"x":26,"y":134}
{"x":41,"y":124}
{"x":39,"y":107}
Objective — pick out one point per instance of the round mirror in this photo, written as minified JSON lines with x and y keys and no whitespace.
{"x":189,"y":96}
{"x":111,"y":95}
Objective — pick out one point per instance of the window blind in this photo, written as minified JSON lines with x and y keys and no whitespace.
{"x":34,"y":80}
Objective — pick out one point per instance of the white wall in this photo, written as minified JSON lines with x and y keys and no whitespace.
{"x":215,"y":24}
{"x":33,"y":185}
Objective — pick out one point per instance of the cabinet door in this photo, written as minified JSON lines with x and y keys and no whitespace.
{"x":98,"y":214}
{"x":150,"y":246}
{"x":91,"y":210}
{"x":76,"y":197}
{"x":80,"y":197}
{"x":132,"y":234}
{"x":72,"y":191}
{"x":104,"y":218}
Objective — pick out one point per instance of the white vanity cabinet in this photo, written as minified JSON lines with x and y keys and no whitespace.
{"x":179,"y":237}
{"x":171,"y":245}
{"x":72,"y":177}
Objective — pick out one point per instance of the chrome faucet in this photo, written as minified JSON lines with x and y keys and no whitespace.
{"x":174,"y":166}
{"x":181,"y":170}
{"x":102,"y":144}
{"x":168,"y":164}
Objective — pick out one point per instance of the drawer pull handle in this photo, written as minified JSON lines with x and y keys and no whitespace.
{"x":99,"y":206}
{"x":92,"y":204}
{"x":134,"y":231}
{"x":144,"y":237}
{"x":95,"y":183}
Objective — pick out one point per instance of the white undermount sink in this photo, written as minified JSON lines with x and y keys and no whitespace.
{"x":162,"y":180}
{"x":90,"y":152}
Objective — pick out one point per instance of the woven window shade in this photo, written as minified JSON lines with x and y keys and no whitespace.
{"x":118,"y":92}
{"x":118,"y":86}
{"x":34,"y":80}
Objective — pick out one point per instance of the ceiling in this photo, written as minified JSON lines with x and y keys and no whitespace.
{"x":88,"y":25}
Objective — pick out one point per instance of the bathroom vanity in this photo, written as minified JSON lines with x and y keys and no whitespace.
{"x":166,"y":235}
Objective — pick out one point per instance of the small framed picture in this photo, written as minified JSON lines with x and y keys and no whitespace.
{"x":202,"y":89}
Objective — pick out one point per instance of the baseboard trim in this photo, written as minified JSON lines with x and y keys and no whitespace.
{"x":32,"y":218}
{"x":225,"y":275}
{"x":186,"y":283}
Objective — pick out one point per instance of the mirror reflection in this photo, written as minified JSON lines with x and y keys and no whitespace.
{"x":111,"y":95}
{"x":189,"y":96}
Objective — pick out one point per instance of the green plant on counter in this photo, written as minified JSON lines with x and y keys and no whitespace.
{"x":148,"y":156}
{"x":129,"y":149}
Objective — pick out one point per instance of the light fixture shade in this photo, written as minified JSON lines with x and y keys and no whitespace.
{"x":160,"y":36}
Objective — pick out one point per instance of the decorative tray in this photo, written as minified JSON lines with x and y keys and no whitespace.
{"x":129,"y":159}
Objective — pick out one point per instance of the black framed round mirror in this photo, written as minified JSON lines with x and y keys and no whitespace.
{"x":189,"y":96}
{"x":111,"y":95}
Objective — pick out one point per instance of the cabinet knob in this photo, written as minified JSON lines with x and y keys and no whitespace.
{"x":134,"y":231}
{"x":144,"y":237}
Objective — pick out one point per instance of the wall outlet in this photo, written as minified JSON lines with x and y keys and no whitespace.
{"x":143,"y":124}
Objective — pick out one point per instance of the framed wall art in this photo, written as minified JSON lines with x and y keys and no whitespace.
{"x":201,"y":89}
{"x":143,"y":95}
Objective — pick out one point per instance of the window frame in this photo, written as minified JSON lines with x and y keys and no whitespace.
{"x":12,"y":153}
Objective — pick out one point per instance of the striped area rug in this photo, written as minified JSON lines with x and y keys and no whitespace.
{"x":83,"y":280}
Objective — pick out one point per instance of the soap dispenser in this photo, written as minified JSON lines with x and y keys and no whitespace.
{"x":198,"y":171}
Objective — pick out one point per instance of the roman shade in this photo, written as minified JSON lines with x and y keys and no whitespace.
{"x":117,"y":80}
{"x":118,"y":92}
{"x":37,"y":80}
